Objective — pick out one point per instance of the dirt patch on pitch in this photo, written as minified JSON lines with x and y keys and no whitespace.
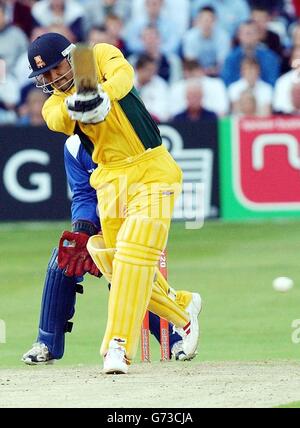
{"x":229,"y":384}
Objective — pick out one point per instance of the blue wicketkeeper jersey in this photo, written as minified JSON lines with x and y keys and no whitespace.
{"x":79,"y":166}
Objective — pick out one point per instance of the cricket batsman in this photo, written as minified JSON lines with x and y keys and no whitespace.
{"x":69,"y":264}
{"x":136,"y":180}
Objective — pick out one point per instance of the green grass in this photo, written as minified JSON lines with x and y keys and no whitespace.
{"x":294,"y":405}
{"x":231,"y":265}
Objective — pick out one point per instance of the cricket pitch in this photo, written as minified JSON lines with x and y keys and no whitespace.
{"x":161,"y":385}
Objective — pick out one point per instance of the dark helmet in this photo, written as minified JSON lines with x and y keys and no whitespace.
{"x":47,"y":51}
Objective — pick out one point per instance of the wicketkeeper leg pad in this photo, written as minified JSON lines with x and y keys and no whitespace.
{"x":57,"y":308}
{"x":140,"y":242}
{"x":102,"y":257}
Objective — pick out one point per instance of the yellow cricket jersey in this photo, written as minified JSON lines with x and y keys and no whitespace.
{"x":128,"y":130}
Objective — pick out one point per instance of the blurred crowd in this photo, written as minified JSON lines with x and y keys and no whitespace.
{"x":194,"y":59}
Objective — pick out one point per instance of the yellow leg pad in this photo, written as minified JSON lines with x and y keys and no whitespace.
{"x":162,"y":305}
{"x":102,"y":257}
{"x":144,"y":229}
{"x":182,"y":298}
{"x":139,"y":247}
{"x":127,"y":305}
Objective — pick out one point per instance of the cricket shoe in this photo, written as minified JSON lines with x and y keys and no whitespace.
{"x":115,"y":360}
{"x":38,"y":354}
{"x":179,"y":354}
{"x":190,"y":333}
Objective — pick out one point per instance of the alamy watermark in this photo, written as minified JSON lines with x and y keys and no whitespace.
{"x":2,"y":332}
{"x":296,"y":331}
{"x":156,"y":200}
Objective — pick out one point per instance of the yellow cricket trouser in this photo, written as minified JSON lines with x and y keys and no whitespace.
{"x":136,"y":199}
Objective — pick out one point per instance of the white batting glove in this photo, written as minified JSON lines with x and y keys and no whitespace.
{"x":90,"y":107}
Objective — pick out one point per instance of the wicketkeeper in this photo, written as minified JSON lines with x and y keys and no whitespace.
{"x":137,"y":182}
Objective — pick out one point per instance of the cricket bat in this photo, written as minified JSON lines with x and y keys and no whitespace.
{"x":85,"y":76}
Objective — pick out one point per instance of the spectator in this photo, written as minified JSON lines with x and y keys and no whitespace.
{"x":13,"y":42}
{"x":152,"y":89}
{"x":246,"y":105}
{"x":98,"y":10}
{"x":206,"y":42}
{"x":21,"y":15}
{"x":282,"y":101}
{"x":262,"y":91}
{"x":249,"y":47}
{"x":169,"y":65}
{"x":214,"y":91}
{"x":261,"y":16}
{"x":62,"y":29}
{"x":295,"y":98}
{"x":294,"y":31}
{"x":274,"y":6}
{"x":194,"y":104}
{"x":7,"y":117}
{"x":22,"y":67}
{"x":296,"y":10}
{"x":231,"y":13}
{"x":114,"y":28}
{"x":67,"y":13}
{"x":153,"y":16}
{"x":177,"y":11}
{"x":9,"y":98}
{"x":31,"y":111}
{"x":2,"y":71}
{"x":290,"y":7}
{"x":296,"y":35}
{"x":97,"y":35}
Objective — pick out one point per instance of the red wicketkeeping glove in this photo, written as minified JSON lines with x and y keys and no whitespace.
{"x":73,"y":255}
